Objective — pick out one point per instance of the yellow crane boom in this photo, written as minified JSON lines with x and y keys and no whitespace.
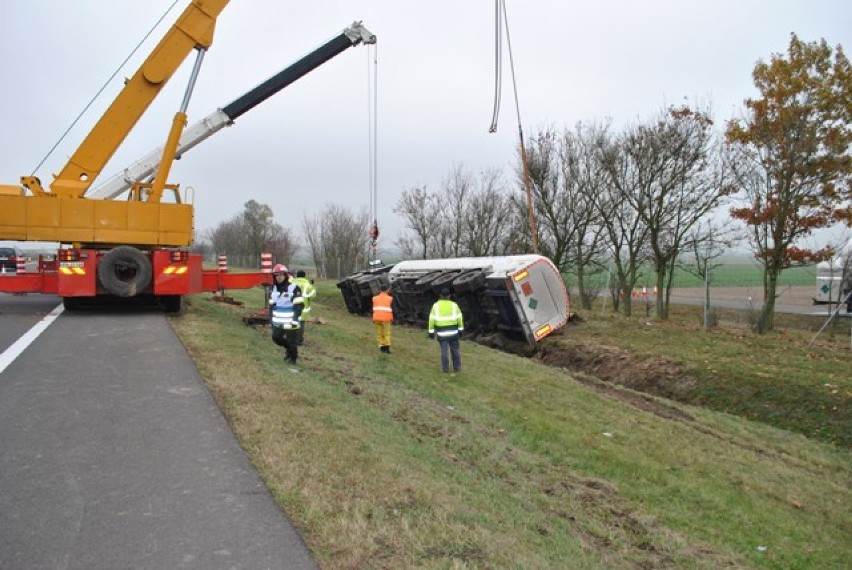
{"x":62,"y":213}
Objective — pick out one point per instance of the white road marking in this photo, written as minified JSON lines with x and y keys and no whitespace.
{"x":14,"y":351}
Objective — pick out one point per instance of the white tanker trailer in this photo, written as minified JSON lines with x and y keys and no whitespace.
{"x":520,"y":297}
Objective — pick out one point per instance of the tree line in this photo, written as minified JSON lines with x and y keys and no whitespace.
{"x":610,"y":201}
{"x":614,"y":200}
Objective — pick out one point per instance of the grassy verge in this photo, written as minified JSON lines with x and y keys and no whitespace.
{"x":781,"y":378}
{"x":384,"y":463}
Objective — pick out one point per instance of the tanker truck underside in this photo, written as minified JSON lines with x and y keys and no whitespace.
{"x":516,"y":298}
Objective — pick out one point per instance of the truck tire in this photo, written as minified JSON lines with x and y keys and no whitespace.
{"x":444,"y":280}
{"x":172,"y":304}
{"x":124,"y":271}
{"x":426,"y":279}
{"x":469,"y":281}
{"x":424,"y":283}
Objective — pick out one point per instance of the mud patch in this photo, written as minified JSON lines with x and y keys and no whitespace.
{"x":606,"y":369}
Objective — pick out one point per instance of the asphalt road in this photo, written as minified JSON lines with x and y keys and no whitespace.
{"x":19,"y":313}
{"x":113,"y":454}
{"x":793,"y":300}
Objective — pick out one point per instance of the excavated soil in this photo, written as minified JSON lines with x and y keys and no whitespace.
{"x":632,"y":378}
{"x":643,"y":380}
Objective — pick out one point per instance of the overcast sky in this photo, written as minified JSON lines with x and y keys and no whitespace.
{"x":308,"y":146}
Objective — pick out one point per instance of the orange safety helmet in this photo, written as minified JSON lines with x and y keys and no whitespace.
{"x":278,"y":269}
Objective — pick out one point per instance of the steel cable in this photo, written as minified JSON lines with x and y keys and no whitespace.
{"x":101,"y":90}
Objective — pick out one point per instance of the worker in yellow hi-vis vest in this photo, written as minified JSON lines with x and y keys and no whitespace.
{"x":308,"y":294}
{"x":446,"y":323}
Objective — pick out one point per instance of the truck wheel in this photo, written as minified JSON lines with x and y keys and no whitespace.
{"x":444,"y":280}
{"x":124,"y":271}
{"x":172,"y":304}
{"x":426,"y":281}
{"x":469,"y":281}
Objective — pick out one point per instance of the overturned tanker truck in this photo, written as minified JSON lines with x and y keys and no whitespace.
{"x":515,"y":297}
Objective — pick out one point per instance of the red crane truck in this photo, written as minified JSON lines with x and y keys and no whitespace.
{"x":137,"y":247}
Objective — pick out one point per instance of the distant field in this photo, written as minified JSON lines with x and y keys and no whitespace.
{"x":742,"y":273}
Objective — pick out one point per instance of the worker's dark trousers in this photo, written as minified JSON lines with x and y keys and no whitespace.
{"x":302,"y":331}
{"x":289,"y":339}
{"x":451,"y":345}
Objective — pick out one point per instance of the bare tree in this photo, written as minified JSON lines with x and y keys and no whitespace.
{"x":343,"y":239}
{"x":705,"y":243}
{"x":201,"y":244}
{"x":517,"y":240}
{"x":421,"y":211}
{"x":583,"y":182}
{"x":408,"y":247}
{"x":457,"y":189}
{"x":467,"y":217}
{"x":484,"y":216}
{"x":226,"y":238}
{"x":619,"y":207}
{"x":283,"y":246}
{"x":550,"y":200}
{"x":246,"y":235}
{"x":678,"y":180}
{"x":312,"y":232}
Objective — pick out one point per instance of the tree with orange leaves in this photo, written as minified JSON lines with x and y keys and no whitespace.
{"x":791,"y":160}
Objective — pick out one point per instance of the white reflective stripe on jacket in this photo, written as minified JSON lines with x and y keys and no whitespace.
{"x":284,"y":317}
{"x":284,"y":308}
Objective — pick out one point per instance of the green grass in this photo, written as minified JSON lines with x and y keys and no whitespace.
{"x":747,"y":275}
{"x":383,"y":463}
{"x":779,"y":378}
{"x":742,"y":273}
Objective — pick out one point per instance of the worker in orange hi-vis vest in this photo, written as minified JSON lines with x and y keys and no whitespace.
{"x":382,"y":318}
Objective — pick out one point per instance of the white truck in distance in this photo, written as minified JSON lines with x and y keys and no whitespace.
{"x":834,"y":279}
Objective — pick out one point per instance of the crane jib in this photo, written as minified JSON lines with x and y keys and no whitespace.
{"x":287,"y":76}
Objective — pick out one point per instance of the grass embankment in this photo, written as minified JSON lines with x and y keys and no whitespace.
{"x":783,"y":378}
{"x":384,"y":463}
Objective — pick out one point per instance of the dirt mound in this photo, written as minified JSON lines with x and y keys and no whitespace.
{"x":613,"y":367}
{"x":642,"y":372}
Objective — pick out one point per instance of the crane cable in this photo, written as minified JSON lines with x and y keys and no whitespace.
{"x":104,"y":86}
{"x":501,"y":21}
{"x":498,"y":68}
{"x":372,"y":119}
